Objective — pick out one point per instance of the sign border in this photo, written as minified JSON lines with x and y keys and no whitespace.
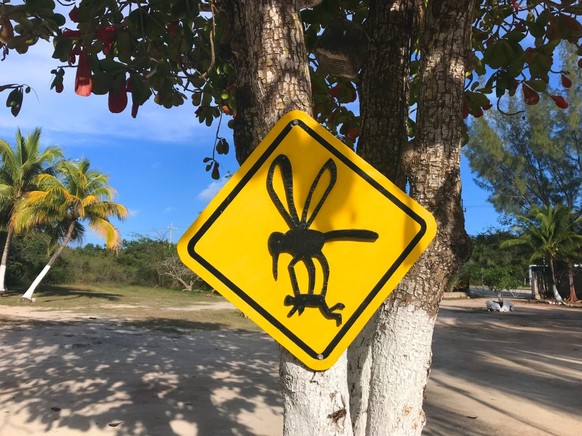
{"x":191,"y":246}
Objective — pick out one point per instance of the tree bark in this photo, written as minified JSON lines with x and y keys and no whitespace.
{"x":535,"y":284}
{"x":572,"y":298}
{"x":270,"y":59}
{"x":401,"y":345}
{"x":28,"y":294}
{"x":384,"y":86}
{"x":4,"y":261}
{"x":384,"y":114}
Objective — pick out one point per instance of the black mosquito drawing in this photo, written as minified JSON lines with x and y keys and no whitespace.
{"x":303,"y":243}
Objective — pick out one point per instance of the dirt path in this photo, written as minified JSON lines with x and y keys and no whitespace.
{"x":493,"y":374}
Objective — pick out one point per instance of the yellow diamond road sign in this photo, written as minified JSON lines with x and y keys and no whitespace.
{"x":307,"y":239}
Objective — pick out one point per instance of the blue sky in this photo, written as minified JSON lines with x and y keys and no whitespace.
{"x":154,"y":161}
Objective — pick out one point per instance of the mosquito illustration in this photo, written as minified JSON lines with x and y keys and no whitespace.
{"x":306,"y":244}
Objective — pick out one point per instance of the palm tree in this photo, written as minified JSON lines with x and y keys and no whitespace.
{"x":573,"y":253}
{"x":20,"y":166}
{"x":550,"y":233}
{"x":65,"y":200}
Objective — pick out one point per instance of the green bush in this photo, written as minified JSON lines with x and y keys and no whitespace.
{"x":498,"y":279}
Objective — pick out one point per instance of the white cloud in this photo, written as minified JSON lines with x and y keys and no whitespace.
{"x":133,"y":213}
{"x":211,"y":190}
{"x":85,"y":121}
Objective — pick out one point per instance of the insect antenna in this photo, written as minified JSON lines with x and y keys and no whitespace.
{"x":282,"y":161}
{"x":328,"y":166}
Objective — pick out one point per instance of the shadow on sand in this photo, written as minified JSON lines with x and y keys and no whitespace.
{"x":525,"y":368}
{"x":120,"y":378}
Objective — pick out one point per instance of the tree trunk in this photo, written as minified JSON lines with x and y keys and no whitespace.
{"x":402,"y":343}
{"x":4,"y":261}
{"x":557,"y":295}
{"x":384,"y":85}
{"x":534,"y":278}
{"x":573,"y":298}
{"x":28,"y":294}
{"x":384,"y":114}
{"x":270,"y":59}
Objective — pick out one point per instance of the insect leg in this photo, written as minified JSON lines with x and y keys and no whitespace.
{"x":293,"y":276}
{"x":311,"y":273}
{"x":325,"y":268}
{"x":324,"y":308}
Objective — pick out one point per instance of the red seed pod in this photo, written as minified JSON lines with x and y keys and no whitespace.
{"x":530,"y":96}
{"x":566,"y":82}
{"x":117,"y":101}
{"x":515,"y":6}
{"x":73,"y":34}
{"x":74,"y":14}
{"x":560,"y":101}
{"x":353,"y":133}
{"x":334,"y":90}
{"x":83,"y":80}
{"x":6,"y":30}
{"x":107,"y":37}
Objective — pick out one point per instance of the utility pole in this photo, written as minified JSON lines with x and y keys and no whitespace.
{"x":171,"y":228}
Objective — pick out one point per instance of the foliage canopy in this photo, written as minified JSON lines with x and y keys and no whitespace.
{"x":175,"y":51}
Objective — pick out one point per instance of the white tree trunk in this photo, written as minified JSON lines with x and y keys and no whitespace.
{"x":28,"y":294}
{"x":557,"y":295}
{"x":2,"y":275}
{"x":402,"y":356}
{"x":360,"y":362}
{"x":4,"y":261}
{"x":315,"y":402}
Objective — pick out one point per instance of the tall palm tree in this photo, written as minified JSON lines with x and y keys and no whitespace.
{"x":20,"y":166}
{"x":76,"y":194}
{"x":551,"y":233}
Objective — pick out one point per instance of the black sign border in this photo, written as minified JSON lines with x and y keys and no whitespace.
{"x":251,"y":302}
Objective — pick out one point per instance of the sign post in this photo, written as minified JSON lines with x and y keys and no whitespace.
{"x":307,"y":240}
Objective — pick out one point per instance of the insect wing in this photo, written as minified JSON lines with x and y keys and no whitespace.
{"x":291,"y":216}
{"x":331,"y":168}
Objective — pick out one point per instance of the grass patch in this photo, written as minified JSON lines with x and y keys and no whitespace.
{"x":156,"y":308}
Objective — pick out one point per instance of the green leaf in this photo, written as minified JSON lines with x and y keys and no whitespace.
{"x":222,"y":146}
{"x":123,"y":45}
{"x":537,"y":85}
{"x":499,"y":54}
{"x":514,"y":36}
{"x":63,"y":47}
{"x":59,"y":20}
{"x":540,"y":64}
{"x":215,"y":171}
{"x":140,"y":91}
{"x":14,"y":101}
{"x":196,"y":98}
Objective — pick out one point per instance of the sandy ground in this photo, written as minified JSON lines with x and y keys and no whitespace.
{"x":493,"y":374}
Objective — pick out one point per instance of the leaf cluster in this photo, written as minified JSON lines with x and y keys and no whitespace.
{"x":171,"y":51}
